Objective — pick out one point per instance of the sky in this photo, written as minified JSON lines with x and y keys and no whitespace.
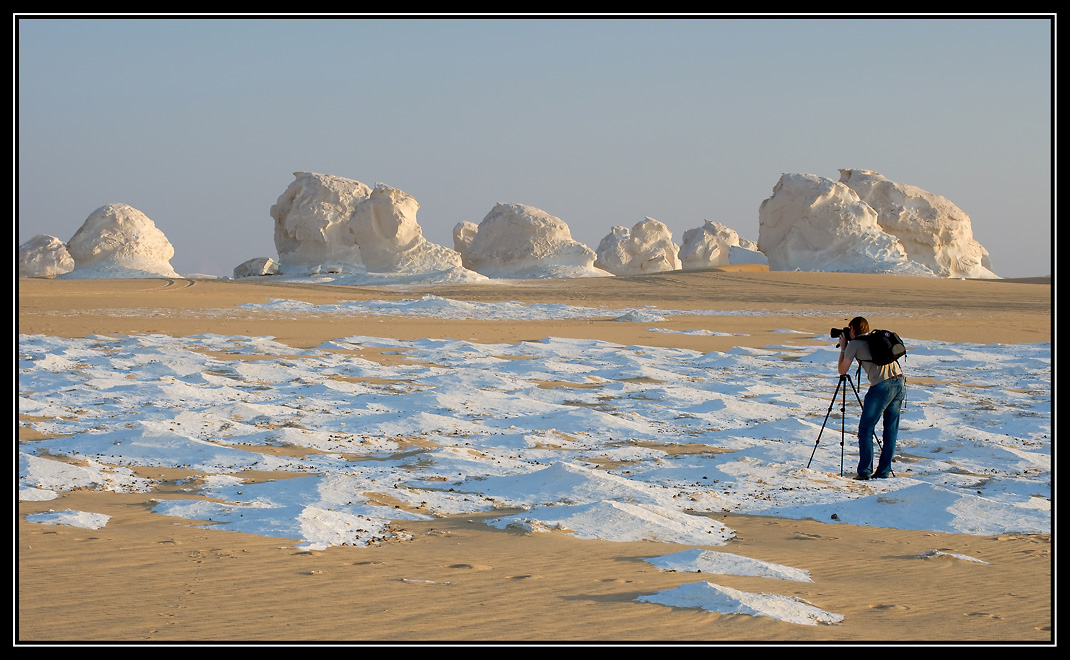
{"x":200,"y":123}
{"x":457,"y":427}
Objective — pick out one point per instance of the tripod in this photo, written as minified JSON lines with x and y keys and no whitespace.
{"x":842,"y":391}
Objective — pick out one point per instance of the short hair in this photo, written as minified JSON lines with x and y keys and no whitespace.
{"x":860,"y":325}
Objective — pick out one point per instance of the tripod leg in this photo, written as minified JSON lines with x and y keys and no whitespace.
{"x":843,"y":423}
{"x":827,"y":413}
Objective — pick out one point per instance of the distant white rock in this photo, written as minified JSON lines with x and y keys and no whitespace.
{"x":256,"y":267}
{"x":523,"y":242}
{"x":934,"y":232}
{"x":647,"y":248}
{"x":44,"y":256}
{"x":713,"y":244}
{"x":463,"y":234}
{"x":812,"y":223}
{"x":741,"y":256}
{"x":330,"y":224}
{"x":119,"y":241}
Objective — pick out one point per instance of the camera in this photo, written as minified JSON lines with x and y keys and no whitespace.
{"x":836,"y":332}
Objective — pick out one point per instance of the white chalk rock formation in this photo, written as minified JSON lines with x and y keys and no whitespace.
{"x":463,"y":234}
{"x":740,"y":256}
{"x":44,"y":256}
{"x":811,"y":223}
{"x":713,"y":244}
{"x":326,"y":223}
{"x":256,"y":267}
{"x":934,"y":232}
{"x":119,"y":241}
{"x":647,"y":248}
{"x":515,"y":241}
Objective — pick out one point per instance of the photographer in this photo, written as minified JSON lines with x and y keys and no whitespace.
{"x":883,"y":399}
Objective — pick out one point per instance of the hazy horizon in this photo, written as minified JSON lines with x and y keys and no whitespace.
{"x":200,"y":122}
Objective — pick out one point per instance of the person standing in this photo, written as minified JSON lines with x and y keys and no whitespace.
{"x":884,"y":399}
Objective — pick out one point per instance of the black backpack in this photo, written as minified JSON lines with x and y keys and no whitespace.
{"x":885,"y":346}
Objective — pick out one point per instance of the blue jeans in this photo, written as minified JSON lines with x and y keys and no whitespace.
{"x":884,"y":399}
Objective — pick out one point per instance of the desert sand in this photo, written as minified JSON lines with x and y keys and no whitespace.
{"x":147,"y":578}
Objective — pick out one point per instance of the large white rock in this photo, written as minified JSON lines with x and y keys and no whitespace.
{"x":326,"y":223}
{"x":119,"y":241}
{"x":934,"y":232}
{"x":312,"y":222}
{"x":647,"y":248}
{"x":713,"y":244}
{"x":523,"y":242}
{"x":44,"y":256}
{"x":811,"y":223}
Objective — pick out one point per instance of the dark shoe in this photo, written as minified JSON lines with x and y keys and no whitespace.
{"x":862,"y":477}
{"x":881,"y":476}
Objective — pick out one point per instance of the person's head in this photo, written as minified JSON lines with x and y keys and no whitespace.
{"x":860,"y":326}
